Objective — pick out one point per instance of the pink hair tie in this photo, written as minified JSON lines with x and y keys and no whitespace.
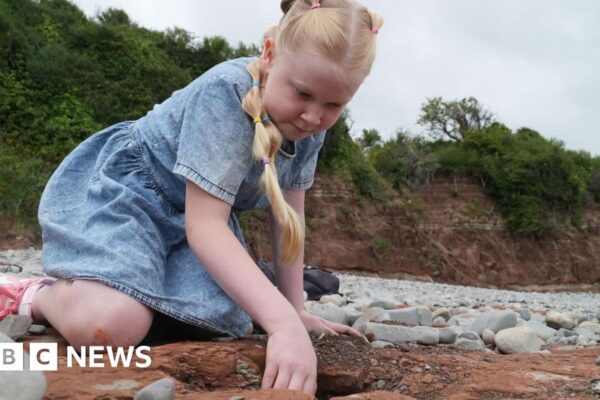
{"x":375,"y":30}
{"x":315,"y":5}
{"x":266,"y":161}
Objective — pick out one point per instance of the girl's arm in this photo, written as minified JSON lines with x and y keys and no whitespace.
{"x":223,"y":256}
{"x":291,"y":362}
{"x":289,"y":277}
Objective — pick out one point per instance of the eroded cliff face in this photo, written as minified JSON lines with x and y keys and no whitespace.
{"x":448,"y":231}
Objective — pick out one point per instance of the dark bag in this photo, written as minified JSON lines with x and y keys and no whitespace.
{"x":317,"y":281}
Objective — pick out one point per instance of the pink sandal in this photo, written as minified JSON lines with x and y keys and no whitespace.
{"x":16,"y":293}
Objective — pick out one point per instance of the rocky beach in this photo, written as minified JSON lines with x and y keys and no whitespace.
{"x":422,"y":340}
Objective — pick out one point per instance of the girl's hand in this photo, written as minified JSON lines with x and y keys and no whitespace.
{"x":318,"y":325}
{"x":291,"y":361}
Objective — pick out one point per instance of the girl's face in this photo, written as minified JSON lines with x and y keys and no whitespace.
{"x":305,"y":93}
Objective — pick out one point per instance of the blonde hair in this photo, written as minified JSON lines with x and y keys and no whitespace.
{"x":341,"y":30}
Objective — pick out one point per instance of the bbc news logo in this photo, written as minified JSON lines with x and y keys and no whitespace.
{"x":44,"y":357}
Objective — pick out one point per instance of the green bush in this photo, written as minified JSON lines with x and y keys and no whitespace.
{"x":340,"y":155}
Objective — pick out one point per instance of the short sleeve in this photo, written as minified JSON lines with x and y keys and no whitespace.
{"x":215,"y":144}
{"x":302,"y":171}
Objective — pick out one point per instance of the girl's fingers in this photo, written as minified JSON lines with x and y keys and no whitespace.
{"x":283,"y":379}
{"x":269,"y":376}
{"x":297,"y":381}
{"x":339,"y":328}
{"x":310,"y":385}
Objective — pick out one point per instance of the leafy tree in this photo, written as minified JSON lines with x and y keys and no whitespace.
{"x":369,"y":139}
{"x":342,"y":156}
{"x":453,"y":119}
{"x":405,"y":161}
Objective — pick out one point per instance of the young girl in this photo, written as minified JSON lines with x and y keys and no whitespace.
{"x":138,"y":221}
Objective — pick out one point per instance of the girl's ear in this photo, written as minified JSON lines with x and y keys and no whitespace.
{"x":268,"y":55}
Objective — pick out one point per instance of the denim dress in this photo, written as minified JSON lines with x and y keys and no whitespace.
{"x":113,"y":211}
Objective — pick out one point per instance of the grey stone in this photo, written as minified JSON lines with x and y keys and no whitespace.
{"x":592,"y":326}
{"x":352,"y":313}
{"x":577,"y":317}
{"x":446,"y":335}
{"x":163,"y":389}
{"x":494,"y":321}
{"x":15,"y":326}
{"x":402,"y":334}
{"x":426,"y":335}
{"x":386,"y":304}
{"x":328,"y":311}
{"x":469,"y":344}
{"x":333,"y":298}
{"x":414,"y":316}
{"x":585,"y":341}
{"x":424,"y":316}
{"x":488,"y":337}
{"x":22,"y":385}
{"x":380,"y":344}
{"x":35,"y":329}
{"x":567,"y":341}
{"x":595,"y":386}
{"x":376,"y":314}
{"x":390,"y":333}
{"x":518,"y":340}
{"x":557,"y":320}
{"x":459,"y":310}
{"x":469,"y":335}
{"x":502,"y":320}
{"x":562,"y":332}
{"x":525,"y":314}
{"x":439,"y":321}
{"x":543,"y":331}
{"x":598,"y":361}
{"x":441,"y":312}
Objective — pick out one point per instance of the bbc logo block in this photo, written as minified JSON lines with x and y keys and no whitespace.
{"x":11,"y":356}
{"x":42,"y":357}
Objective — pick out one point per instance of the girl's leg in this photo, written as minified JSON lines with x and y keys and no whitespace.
{"x":90,"y":313}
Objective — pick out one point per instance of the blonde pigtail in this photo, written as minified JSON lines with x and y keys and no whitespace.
{"x":267,"y":141}
{"x":376,"y":22}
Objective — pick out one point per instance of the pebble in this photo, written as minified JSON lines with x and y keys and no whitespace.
{"x":386,"y":304}
{"x":489,"y":337}
{"x":543,"y":331}
{"x":22,"y":385}
{"x":333,"y":298}
{"x":15,"y":326}
{"x":592,"y":326}
{"x":470,"y":344}
{"x":380,"y":344}
{"x":494,"y":321}
{"x":598,"y":361}
{"x":525,"y":314}
{"x":375,"y":314}
{"x":163,"y":389}
{"x":420,"y":315}
{"x":447,"y":335}
{"x":468,"y":335}
{"x":595,"y":386}
{"x":36,"y":329}
{"x":557,"y":320}
{"x":442,"y":312}
{"x":328,"y":311}
{"x":518,"y":340}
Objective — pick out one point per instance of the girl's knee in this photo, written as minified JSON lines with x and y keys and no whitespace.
{"x":103,"y":316}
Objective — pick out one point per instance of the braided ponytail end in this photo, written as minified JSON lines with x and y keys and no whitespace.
{"x":267,"y":141}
